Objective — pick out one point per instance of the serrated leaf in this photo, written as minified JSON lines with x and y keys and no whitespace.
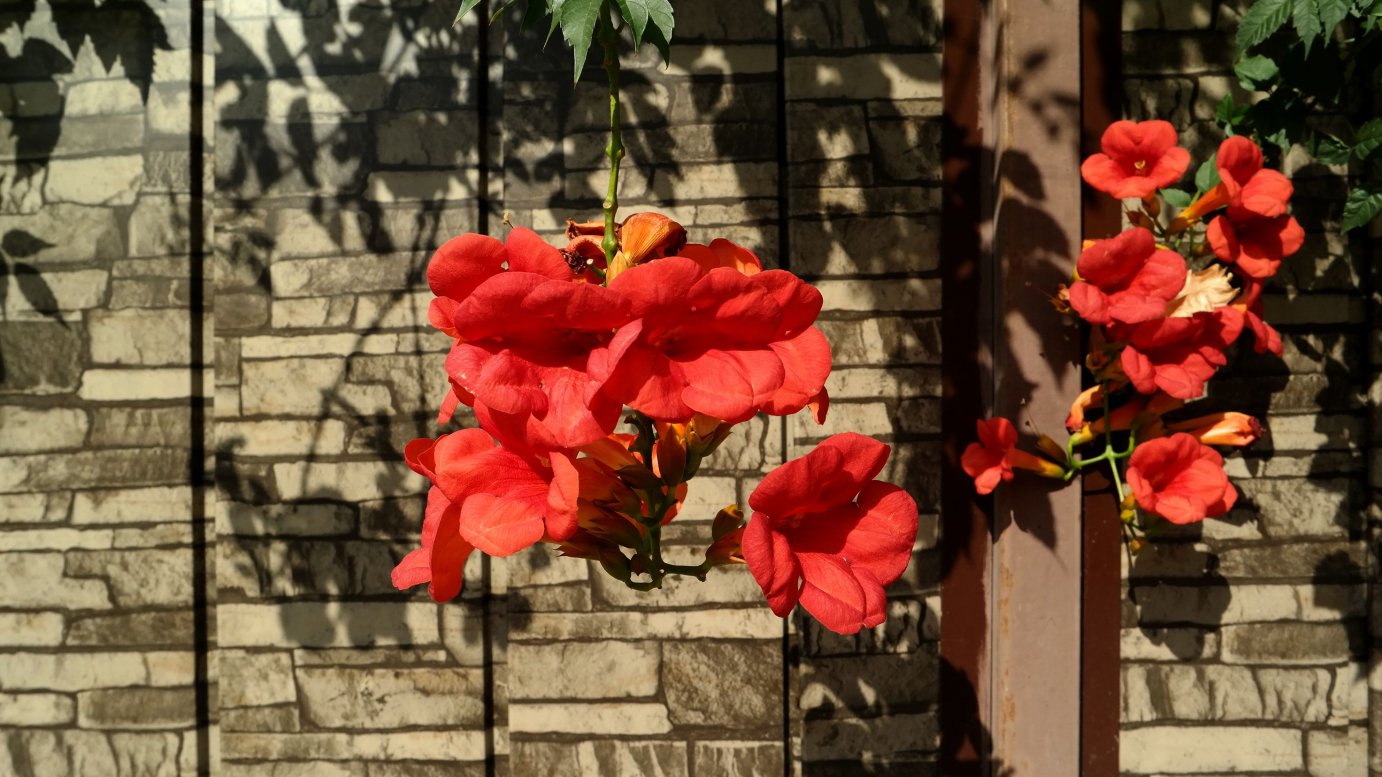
{"x":1229,"y":112}
{"x":466,"y":7}
{"x":639,"y":12}
{"x":1176,"y":198}
{"x":1363,"y":205}
{"x":36,"y":290}
{"x":1330,"y":151}
{"x":535,"y":9}
{"x":1263,"y":19}
{"x":19,"y":244}
{"x":1332,"y":14}
{"x":661,"y":43}
{"x":1254,"y":71}
{"x":1369,"y":139}
{"x":1305,"y":16}
{"x":578,"y":19}
{"x":498,"y":12}
{"x":1207,"y":177}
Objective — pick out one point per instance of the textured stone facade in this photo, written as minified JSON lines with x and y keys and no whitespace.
{"x":1246,"y":641}
{"x":344,"y":141}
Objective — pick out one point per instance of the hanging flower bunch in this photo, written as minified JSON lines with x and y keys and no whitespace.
{"x":552,"y":347}
{"x":603,"y":374}
{"x":1164,"y":299}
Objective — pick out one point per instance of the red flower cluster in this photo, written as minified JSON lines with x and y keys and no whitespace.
{"x":1165,"y":301}
{"x":551,"y":345}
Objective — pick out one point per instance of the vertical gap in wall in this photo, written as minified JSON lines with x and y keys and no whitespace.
{"x":1101,"y":573}
{"x":784,"y":261}
{"x":482,"y":224}
{"x":196,"y":456}
{"x":965,"y":741}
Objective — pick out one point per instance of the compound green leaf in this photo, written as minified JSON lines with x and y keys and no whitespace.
{"x":1263,"y":19}
{"x":577,"y":19}
{"x":1363,"y":205}
{"x":639,"y":12}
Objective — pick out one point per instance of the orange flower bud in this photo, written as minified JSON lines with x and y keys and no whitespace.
{"x":1024,"y":460}
{"x":1089,"y":398}
{"x":1051,"y":448}
{"x":727,"y":549}
{"x":726,"y":521}
{"x":669,"y":457}
{"x":1236,"y":429}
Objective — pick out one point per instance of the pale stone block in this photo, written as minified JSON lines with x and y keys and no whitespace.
{"x":392,"y":746}
{"x":892,"y":383}
{"x":72,"y":291}
{"x":345,"y":344}
{"x":103,"y":98}
{"x":34,"y":508}
{"x":632,"y":759}
{"x":754,"y":623}
{"x":1168,"y":644}
{"x":36,"y":580}
{"x":133,"y":505}
{"x":312,"y":312}
{"x":289,"y":386}
{"x":732,"y":684}
{"x":73,"y":671}
{"x":409,"y":311}
{"x":138,"y":577}
{"x":153,"y":383}
{"x":690,"y":59}
{"x":1185,"y":750}
{"x":155,"y":337}
{"x":35,"y":709}
{"x":161,"y":535}
{"x":1337,"y":753}
{"x":417,"y":185}
{"x":908,"y":294}
{"x":112,"y":180}
{"x":255,"y":679}
{"x":865,"y":77}
{"x":283,"y":437}
{"x":608,"y":670}
{"x":45,"y":752}
{"x":744,"y":759}
{"x":298,"y":520}
{"x":29,"y":629}
{"x":540,"y":565}
{"x":340,"y":697}
{"x":342,"y":275}
{"x":28,"y":430}
{"x":137,"y":708}
{"x":351,"y":481}
{"x":728,"y":585}
{"x":631,"y":719}
{"x":326,"y":624}
{"x":56,"y":539}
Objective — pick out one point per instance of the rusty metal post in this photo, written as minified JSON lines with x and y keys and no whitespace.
{"x":1011,"y":599}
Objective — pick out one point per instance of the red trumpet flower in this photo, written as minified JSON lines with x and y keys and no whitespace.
{"x":1177,"y":355}
{"x":1138,"y":158}
{"x":1179,"y":479}
{"x":826,"y":534}
{"x":1126,"y":279}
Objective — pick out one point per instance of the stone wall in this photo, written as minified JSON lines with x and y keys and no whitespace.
{"x":350,"y":139}
{"x":1245,"y":642}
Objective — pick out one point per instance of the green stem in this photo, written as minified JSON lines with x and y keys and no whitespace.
{"x":1109,"y":452}
{"x":609,"y":40}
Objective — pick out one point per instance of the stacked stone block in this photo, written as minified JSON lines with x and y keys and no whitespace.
{"x":98,"y":651}
{"x":1245,"y":641}
{"x":346,"y":154}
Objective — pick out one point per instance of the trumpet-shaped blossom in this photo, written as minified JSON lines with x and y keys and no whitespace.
{"x":715,"y":341}
{"x":1265,"y":338}
{"x":1255,"y":244}
{"x":1138,"y":158}
{"x":465,"y":262}
{"x":1177,"y":355}
{"x":500,"y":501}
{"x":523,"y":353}
{"x":1126,"y":279}
{"x":1179,"y":479}
{"x":1234,"y":429}
{"x":1243,"y":185}
{"x":991,"y":460}
{"x":825,"y":534}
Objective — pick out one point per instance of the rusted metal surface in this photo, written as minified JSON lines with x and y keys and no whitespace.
{"x":1012,"y":600}
{"x":965,"y":530}
{"x":1101,"y":87}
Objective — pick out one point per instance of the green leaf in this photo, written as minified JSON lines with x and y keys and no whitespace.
{"x":466,"y":7}
{"x":1255,"y":71}
{"x":1306,"y":18}
{"x":1363,"y":205}
{"x":1207,"y":177}
{"x":1178,"y":199}
{"x":1330,"y":151}
{"x":1229,"y":112}
{"x":578,"y":19}
{"x":1262,"y":19}
{"x":1332,"y":13}
{"x":1369,"y":139}
{"x":639,"y":12}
